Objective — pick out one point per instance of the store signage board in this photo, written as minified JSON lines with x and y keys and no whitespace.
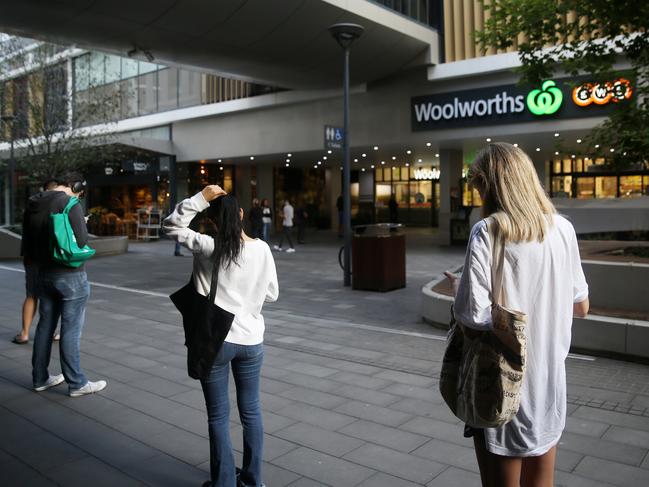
{"x":426,"y":174}
{"x":333,"y":137}
{"x":509,"y":104}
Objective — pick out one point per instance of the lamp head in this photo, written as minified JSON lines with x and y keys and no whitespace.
{"x":346,"y":33}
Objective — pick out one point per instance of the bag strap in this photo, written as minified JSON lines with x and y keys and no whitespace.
{"x":497,"y":261}
{"x":73,"y":201}
{"x":214,"y":283}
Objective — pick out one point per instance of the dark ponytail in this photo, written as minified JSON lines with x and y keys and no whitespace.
{"x":225,"y":214}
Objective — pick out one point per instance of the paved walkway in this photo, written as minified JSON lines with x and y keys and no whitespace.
{"x":349,"y":389}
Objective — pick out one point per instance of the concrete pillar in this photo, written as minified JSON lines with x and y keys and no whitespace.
{"x":265,"y":182}
{"x":450,"y":190}
{"x":333,"y":189}
{"x":242,"y":188}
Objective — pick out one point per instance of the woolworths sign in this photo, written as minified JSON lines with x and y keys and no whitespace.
{"x":499,"y":105}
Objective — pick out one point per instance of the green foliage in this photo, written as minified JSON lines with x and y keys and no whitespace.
{"x":595,"y":37}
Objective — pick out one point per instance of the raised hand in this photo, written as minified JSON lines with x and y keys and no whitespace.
{"x":212,"y":191}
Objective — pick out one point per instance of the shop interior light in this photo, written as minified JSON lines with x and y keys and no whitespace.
{"x":383,"y":163}
{"x":436,"y":155}
{"x":355,"y":160}
{"x":573,"y":156}
{"x":363,"y":170}
{"x":319,"y":163}
{"x":420,"y":161}
{"x":612,"y":150}
{"x":556,"y":153}
{"x":329,"y":151}
{"x":556,"y":134}
{"x":579,"y":141}
{"x":288,"y":164}
{"x":315,"y":167}
{"x":624,"y":153}
{"x":428,"y":144}
{"x":202,"y":170}
{"x":288,"y":160}
{"x":488,"y":139}
{"x":376,"y":147}
{"x":394,"y":158}
{"x":408,"y":152}
{"x":221,"y":168}
{"x":407,"y":164}
{"x":586,"y":158}
{"x":372,"y":166}
{"x":324,"y":158}
{"x":364,"y":155}
{"x":219,"y":160}
{"x":538,"y":149}
{"x":596,"y":146}
{"x":289,"y":154}
{"x":252,"y":158}
{"x":515,"y":145}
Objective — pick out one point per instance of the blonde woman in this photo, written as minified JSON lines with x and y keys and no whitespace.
{"x":543,"y":278}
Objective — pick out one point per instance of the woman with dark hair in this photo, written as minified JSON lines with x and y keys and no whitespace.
{"x":247,"y":278}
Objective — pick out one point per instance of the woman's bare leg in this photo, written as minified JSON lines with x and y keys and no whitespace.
{"x":29,"y":310}
{"x":496,"y":470}
{"x":539,"y":471}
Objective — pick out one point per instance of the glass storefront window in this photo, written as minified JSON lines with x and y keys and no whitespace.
{"x":113,"y":68}
{"x":645,"y":185}
{"x":383,"y":192}
{"x":585,"y":188}
{"x":129,"y":68}
{"x":421,"y":194}
{"x":567,"y":166}
{"x":144,"y":67}
{"x":405,"y":174}
{"x":189,"y":88}
{"x":128,"y":97}
{"x":606,"y":187}
{"x":97,"y":69}
{"x":557,"y":167}
{"x":81,"y":73}
{"x":630,"y":186}
{"x":562,"y":186}
{"x":579,"y":165}
{"x":378,"y":174}
{"x":387,"y":174}
{"x":401,"y":194}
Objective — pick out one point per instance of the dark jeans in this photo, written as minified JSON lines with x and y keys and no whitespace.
{"x":246,"y":363}
{"x":62,"y":295}
{"x":286,"y":233}
{"x":257,"y":230}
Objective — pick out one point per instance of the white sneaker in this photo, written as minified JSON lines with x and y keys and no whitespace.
{"x":89,"y":388}
{"x":277,"y":247}
{"x":52,"y":380}
{"x":290,"y":251}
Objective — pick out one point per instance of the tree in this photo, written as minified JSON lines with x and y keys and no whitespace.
{"x":35,"y":92}
{"x":583,"y":36}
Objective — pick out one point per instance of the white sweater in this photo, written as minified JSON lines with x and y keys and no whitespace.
{"x":243,"y":287}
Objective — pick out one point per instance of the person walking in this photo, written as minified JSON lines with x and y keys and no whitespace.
{"x":256,"y":219}
{"x":30,"y":304}
{"x":301,"y":217}
{"x":62,"y":291}
{"x":393,"y":207}
{"x":543,"y":278}
{"x":267,"y":219}
{"x":247,"y":278}
{"x":287,"y":227}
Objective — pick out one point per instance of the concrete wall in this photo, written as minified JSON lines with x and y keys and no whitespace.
{"x":618,"y":285}
{"x":9,"y":244}
{"x":611,"y":215}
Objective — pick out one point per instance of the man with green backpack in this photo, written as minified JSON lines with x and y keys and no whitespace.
{"x":55,"y":239}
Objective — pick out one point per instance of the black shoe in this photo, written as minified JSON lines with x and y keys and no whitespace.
{"x":178,"y":254}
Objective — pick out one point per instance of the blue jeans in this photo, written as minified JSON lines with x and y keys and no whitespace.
{"x":266,"y":232}
{"x":62,"y":295}
{"x":246,"y":363}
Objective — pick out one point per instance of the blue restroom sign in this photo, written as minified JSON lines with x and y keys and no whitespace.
{"x":333,"y":137}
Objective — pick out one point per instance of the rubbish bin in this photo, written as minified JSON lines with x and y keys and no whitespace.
{"x":379,"y":257}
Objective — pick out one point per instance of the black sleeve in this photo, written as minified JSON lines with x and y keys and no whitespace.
{"x":78,"y":224}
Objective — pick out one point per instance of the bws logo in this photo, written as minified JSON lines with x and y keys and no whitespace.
{"x":545,"y":101}
{"x":601,"y":94}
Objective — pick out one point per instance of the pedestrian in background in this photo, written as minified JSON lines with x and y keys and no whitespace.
{"x":267,"y":219}
{"x":256,"y":220}
{"x":301,"y":218}
{"x":30,"y":304}
{"x":393,"y":206}
{"x":247,"y":278}
{"x":542,"y":277}
{"x":287,"y":227}
{"x":62,"y":291}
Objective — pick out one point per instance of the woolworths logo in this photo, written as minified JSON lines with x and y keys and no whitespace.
{"x":545,"y":101}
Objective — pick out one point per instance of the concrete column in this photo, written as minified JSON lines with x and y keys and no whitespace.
{"x":242,"y":186}
{"x":450,"y":190}
{"x":265,"y":182}
{"x":333,"y":189}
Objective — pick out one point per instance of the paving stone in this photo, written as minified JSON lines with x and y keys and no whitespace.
{"x":567,"y":460}
{"x":449,"y":454}
{"x":563,"y":479}
{"x":404,"y":378}
{"x":319,"y":439}
{"x":324,"y":468}
{"x":383,"y":435}
{"x":455,"y":477}
{"x":414,"y":392}
{"x":603,"y":449}
{"x":315,"y":398}
{"x":359,"y":379}
{"x":188,"y":447}
{"x":77,"y":473}
{"x":277,"y":476}
{"x":165,"y":471}
{"x":366,"y":395}
{"x":613,"y":472}
{"x":613,"y":417}
{"x":316,"y":416}
{"x":384,"y":480}
{"x":18,"y":474}
{"x":378,"y":414}
{"x":628,"y":436}
{"x":584,"y":427}
{"x":396,"y":463}
{"x":311,"y":369}
{"x":305,"y":482}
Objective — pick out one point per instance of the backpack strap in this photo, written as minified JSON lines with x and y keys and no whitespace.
{"x":73,"y":201}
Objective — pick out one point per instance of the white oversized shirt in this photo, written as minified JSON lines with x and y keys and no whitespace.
{"x":243,"y":287}
{"x":543,"y":280}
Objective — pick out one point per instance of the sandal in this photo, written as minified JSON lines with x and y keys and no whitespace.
{"x":18,"y":340}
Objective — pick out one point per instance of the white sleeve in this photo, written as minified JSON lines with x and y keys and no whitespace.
{"x":176,"y":226}
{"x":579,"y":285}
{"x":473,"y":302}
{"x":272,"y":293}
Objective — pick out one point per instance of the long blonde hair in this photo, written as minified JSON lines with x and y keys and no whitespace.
{"x":512,"y":193}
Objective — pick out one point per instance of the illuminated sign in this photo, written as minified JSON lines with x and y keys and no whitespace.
{"x":545,"y":101}
{"x":423,"y":173}
{"x":601,"y":94}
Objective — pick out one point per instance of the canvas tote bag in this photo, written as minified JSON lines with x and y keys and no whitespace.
{"x":482,"y":371}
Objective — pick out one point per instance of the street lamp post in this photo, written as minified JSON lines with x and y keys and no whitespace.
{"x":345,"y":35}
{"x":9,"y":120}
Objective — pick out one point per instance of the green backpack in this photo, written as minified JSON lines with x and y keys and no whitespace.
{"x":64,"y":244}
